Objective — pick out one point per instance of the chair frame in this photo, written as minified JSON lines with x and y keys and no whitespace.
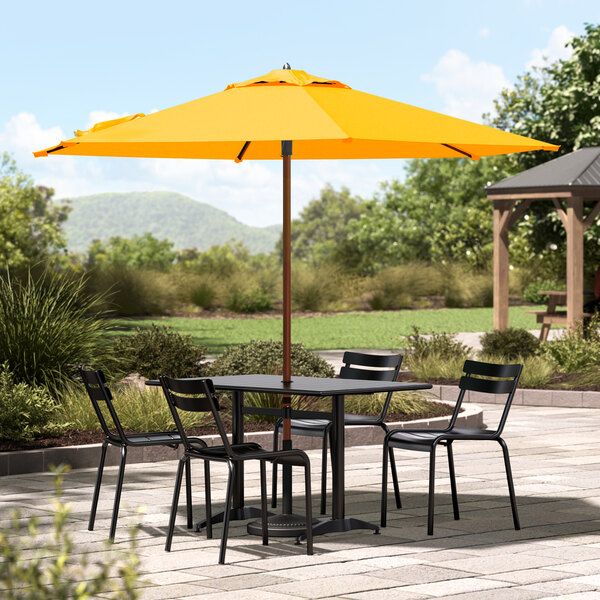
{"x":199,"y":396}
{"x":510,"y":375}
{"x":95,"y":385}
{"x":324,"y":429}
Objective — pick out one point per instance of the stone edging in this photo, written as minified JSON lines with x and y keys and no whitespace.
{"x":526,"y":397}
{"x":86,"y":456}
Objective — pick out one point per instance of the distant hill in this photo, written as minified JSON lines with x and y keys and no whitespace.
{"x":183,"y":221}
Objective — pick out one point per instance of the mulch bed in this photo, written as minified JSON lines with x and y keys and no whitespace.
{"x":78,"y":438}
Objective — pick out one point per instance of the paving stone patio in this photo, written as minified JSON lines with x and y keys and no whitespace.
{"x":555,"y":456}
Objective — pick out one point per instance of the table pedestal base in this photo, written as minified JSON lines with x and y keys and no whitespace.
{"x":237,"y":514}
{"x":338,"y":525}
{"x":288,"y":525}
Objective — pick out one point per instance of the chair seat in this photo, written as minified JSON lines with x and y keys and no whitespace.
{"x":423,"y":440}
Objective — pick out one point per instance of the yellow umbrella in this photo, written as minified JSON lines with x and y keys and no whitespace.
{"x":291,"y":114}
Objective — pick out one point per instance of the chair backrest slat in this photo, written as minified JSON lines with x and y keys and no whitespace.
{"x":486,"y":386}
{"x":473,"y":367}
{"x":380,"y":367}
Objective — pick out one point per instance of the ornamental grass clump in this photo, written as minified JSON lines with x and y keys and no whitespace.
{"x":48,"y":326}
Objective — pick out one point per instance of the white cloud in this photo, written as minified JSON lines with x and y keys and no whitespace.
{"x":468,"y":88}
{"x":555,"y":49}
{"x":250,"y":191}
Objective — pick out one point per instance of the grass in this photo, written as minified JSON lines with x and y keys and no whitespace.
{"x":346,"y":330}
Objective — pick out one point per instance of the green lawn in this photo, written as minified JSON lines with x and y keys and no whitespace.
{"x":344,"y":330}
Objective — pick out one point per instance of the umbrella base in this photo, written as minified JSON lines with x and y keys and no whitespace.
{"x":281,"y":526}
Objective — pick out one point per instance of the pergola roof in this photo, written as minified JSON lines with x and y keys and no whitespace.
{"x":576,"y":172}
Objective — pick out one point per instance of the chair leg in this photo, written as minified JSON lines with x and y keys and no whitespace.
{"x":263,"y":503}
{"x":274,"y":478}
{"x":324,"y":474}
{"x":207,"y":500}
{"x":97,"y":486}
{"x":453,"y":482}
{"x":309,"y":518}
{"x":431,"y":491}
{"x":175,"y":502}
{"x":511,"y":487}
{"x":394,"y":472}
{"x":188,"y":494}
{"x":226,"y":514}
{"x":113,"y":524}
{"x":384,"y":482}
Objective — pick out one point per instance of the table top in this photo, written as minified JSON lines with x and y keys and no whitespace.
{"x":309,"y":386}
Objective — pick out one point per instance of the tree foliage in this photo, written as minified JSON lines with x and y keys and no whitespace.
{"x":30,"y":225}
{"x":138,"y":252}
{"x":321,"y":231}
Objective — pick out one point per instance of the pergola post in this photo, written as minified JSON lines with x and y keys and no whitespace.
{"x":502,"y":210}
{"x":575,"y":228}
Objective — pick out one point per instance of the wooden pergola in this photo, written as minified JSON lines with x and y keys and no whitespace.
{"x":569,"y":182}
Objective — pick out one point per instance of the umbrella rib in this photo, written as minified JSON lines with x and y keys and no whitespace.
{"x":458,"y":150}
{"x":240,"y":156}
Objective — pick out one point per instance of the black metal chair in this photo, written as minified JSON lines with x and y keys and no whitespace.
{"x":356,"y":365}
{"x":479,"y":377}
{"x":95,"y":384}
{"x":198,"y":395}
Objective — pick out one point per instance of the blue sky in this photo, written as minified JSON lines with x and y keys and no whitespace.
{"x":67,"y":65}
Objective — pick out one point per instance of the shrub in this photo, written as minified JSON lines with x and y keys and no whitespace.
{"x":314,"y":288}
{"x":436,"y":366}
{"x":463,"y":289}
{"x":511,"y":343}
{"x":25,"y":410}
{"x":134,"y":291}
{"x":572,"y":352}
{"x":530,"y":291}
{"x":39,"y":568}
{"x":442,"y":345}
{"x":203,"y":295}
{"x":159,"y":351}
{"x":397,"y":287}
{"x":47,"y":328}
{"x":249,"y":300}
{"x":266,"y":357}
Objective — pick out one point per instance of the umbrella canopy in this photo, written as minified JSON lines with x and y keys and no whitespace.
{"x":324,"y":118}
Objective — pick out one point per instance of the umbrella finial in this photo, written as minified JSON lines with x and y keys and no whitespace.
{"x":287,"y":66}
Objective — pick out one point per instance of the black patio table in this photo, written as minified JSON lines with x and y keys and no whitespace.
{"x":300,"y":386}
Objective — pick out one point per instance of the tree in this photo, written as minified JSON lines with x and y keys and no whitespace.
{"x":438,"y":213}
{"x":321,"y":231}
{"x":138,"y":252}
{"x":30,"y":225}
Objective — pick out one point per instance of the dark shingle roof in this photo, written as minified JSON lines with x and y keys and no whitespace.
{"x":577,"y":169}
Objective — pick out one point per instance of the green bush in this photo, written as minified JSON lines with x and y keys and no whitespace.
{"x":314,"y":288}
{"x":511,"y":343}
{"x":36,"y":567}
{"x":203,"y":295}
{"x":572,"y":352}
{"x":134,"y":291}
{"x":530,"y":291}
{"x":397,"y":287}
{"x":158,"y":351}
{"x":266,"y":357}
{"x":442,"y":345}
{"x":25,"y":410}
{"x":248,"y":300}
{"x":48,"y":327}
